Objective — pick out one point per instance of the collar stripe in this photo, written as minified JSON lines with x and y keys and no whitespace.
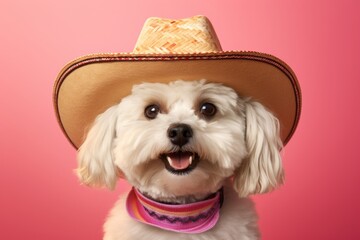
{"x":188,"y":218}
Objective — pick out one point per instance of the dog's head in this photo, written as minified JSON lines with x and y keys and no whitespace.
{"x":182,"y":140}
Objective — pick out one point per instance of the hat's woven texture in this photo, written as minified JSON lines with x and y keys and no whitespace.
{"x":189,"y":35}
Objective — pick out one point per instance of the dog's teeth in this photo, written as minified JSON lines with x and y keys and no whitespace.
{"x":179,"y":161}
{"x":171,"y":162}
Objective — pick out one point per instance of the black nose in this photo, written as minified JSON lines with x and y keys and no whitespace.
{"x":179,"y":134}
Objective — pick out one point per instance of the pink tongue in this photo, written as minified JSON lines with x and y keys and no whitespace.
{"x":179,"y":160}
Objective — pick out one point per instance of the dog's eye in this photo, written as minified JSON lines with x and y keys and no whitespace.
{"x":151,"y":111}
{"x":208,"y":109}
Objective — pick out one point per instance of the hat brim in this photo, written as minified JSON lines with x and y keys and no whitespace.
{"x":89,"y":85}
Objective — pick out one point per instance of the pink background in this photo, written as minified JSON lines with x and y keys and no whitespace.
{"x":41,"y":197}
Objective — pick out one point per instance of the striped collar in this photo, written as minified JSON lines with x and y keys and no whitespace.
{"x":195,"y":217}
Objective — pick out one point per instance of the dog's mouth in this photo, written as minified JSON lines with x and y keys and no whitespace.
{"x":180,"y":162}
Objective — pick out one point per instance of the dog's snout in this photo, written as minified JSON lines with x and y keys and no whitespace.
{"x":179,"y":134}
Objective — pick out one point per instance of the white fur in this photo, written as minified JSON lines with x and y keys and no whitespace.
{"x":240,"y":143}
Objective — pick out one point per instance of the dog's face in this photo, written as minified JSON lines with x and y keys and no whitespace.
{"x":178,"y":142}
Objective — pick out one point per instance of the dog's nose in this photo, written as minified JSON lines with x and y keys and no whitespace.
{"x":179,"y":134}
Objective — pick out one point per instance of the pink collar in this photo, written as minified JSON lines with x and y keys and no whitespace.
{"x":195,"y":217}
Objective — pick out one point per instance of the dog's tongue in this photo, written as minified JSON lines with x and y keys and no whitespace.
{"x":180,"y":160}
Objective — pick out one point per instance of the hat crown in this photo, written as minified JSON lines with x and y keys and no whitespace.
{"x":184,"y":36}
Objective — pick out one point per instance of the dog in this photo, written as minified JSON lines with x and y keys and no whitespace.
{"x":181,"y":143}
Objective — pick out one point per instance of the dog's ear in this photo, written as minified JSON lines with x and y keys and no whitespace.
{"x":261,"y":171}
{"x":95,"y":158}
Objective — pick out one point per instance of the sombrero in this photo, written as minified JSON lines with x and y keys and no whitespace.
{"x":168,"y":50}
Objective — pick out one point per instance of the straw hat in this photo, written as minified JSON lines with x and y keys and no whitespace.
{"x":168,"y":50}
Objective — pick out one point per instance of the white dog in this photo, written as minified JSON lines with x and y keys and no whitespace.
{"x":182,"y":143}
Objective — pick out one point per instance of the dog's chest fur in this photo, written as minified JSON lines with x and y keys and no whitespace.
{"x":238,"y":220}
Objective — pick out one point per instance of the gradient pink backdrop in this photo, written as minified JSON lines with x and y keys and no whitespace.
{"x":41,"y":197}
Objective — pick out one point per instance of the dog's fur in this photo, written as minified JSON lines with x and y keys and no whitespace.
{"x":240,"y":145}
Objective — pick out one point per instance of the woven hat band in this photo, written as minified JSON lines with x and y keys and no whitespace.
{"x":189,"y":35}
